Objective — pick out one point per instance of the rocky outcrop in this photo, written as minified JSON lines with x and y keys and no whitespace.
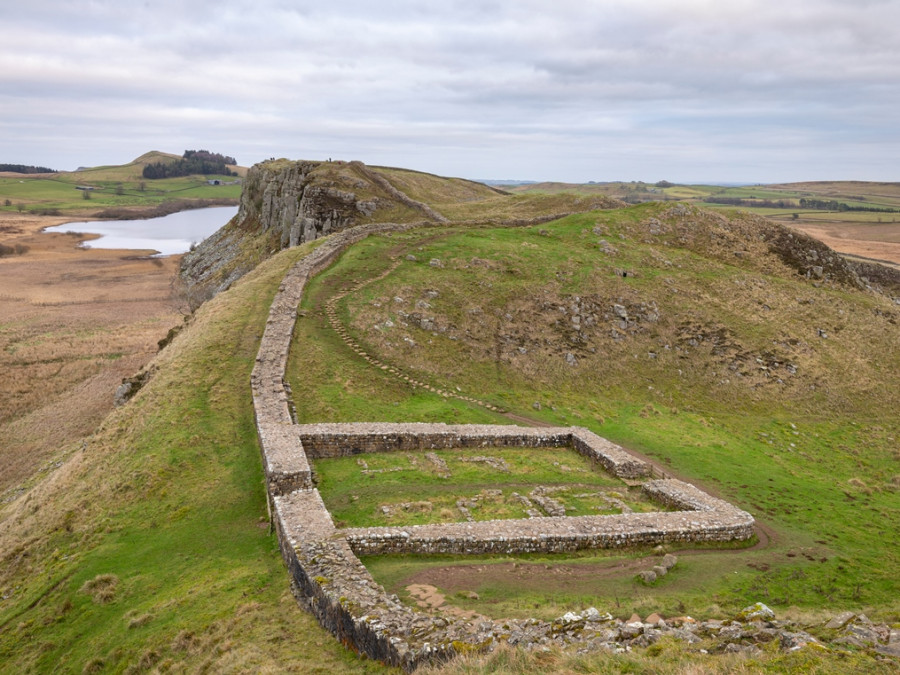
{"x":298,"y":204}
{"x":810,"y":256}
{"x":284,"y":204}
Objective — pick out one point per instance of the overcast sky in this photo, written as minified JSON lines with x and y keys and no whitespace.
{"x":683,"y":90}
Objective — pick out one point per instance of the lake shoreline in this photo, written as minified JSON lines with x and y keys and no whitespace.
{"x":171,"y":234}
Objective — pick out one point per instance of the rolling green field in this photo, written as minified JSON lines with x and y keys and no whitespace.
{"x":111,"y":187}
{"x":854,"y":194}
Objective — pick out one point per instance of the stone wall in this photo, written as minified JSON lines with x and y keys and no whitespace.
{"x":718,"y":521}
{"x":401,"y":197}
{"x":342,"y":440}
{"x":329,"y":579}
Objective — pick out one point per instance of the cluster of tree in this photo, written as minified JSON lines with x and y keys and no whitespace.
{"x":765,"y":203}
{"x":834,"y":205}
{"x":23,"y":168}
{"x":805,"y":203}
{"x":208,"y":156}
{"x":193,"y":162}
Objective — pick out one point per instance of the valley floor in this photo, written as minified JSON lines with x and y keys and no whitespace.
{"x":73,"y":323}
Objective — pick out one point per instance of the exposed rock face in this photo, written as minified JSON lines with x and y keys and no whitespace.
{"x":297,"y":207}
{"x":130,"y":386}
{"x":284,"y":204}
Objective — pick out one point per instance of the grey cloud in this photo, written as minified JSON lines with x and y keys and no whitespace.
{"x":471,"y":88}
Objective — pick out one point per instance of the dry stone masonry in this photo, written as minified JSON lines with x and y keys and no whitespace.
{"x":332,"y":583}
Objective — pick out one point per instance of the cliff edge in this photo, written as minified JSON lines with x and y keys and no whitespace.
{"x":286,"y":203}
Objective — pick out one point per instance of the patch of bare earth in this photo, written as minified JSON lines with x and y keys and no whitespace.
{"x":874,"y":241}
{"x":536,"y":576}
{"x":428,"y":597}
{"x":73,"y":323}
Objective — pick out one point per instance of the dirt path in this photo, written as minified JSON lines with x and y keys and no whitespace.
{"x":461,"y":578}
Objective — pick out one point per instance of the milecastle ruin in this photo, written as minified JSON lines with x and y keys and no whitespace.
{"x":334,"y":585}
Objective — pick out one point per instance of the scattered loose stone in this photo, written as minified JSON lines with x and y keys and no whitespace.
{"x":756,"y":612}
{"x":840,"y":620}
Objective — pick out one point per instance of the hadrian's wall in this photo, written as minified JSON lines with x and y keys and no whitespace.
{"x":329,"y":579}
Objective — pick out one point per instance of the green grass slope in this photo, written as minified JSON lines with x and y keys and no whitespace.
{"x":712,"y":355}
{"x":149,"y":548}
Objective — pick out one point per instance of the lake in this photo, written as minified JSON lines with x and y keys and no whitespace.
{"x":168,"y":235}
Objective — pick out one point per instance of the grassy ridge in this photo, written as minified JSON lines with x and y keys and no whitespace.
{"x":150,"y":547}
{"x":704,"y":387}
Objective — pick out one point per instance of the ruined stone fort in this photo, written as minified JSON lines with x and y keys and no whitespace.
{"x":335,"y":586}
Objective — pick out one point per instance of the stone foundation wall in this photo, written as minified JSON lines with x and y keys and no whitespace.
{"x":329,"y":579}
{"x":721,"y":522}
{"x":343,"y":440}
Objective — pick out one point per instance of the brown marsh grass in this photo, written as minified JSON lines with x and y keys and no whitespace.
{"x":73,"y":323}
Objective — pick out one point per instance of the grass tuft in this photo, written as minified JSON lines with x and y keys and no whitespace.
{"x":102,"y":588}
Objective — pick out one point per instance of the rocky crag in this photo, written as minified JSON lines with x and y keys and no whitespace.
{"x":284,"y":204}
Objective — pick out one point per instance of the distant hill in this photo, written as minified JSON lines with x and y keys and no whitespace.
{"x":193,"y":162}
{"x":122,"y":191}
{"x":134,"y":170}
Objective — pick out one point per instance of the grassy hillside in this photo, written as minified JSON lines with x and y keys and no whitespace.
{"x":119,"y":187}
{"x":870,"y":234}
{"x":676,"y":332}
{"x":459,"y":199}
{"x":149,"y":548}
{"x":711,"y":355}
